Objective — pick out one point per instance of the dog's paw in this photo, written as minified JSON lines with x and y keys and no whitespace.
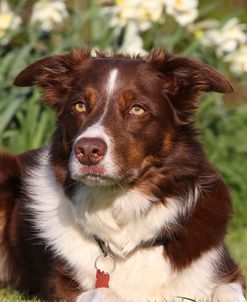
{"x":99,"y":295}
{"x":228,"y":293}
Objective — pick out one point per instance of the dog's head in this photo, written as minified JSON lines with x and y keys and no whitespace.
{"x":119,"y":116}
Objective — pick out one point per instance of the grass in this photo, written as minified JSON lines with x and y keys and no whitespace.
{"x":14,"y":296}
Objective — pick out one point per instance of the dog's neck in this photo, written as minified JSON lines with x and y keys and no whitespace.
{"x":125,"y":218}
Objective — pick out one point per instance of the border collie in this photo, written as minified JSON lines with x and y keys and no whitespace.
{"x":123,"y":205}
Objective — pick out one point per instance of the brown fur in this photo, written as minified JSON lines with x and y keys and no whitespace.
{"x":162,"y":145}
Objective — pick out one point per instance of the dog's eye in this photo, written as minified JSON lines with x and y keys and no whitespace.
{"x":80,"y":107}
{"x":137,"y":110}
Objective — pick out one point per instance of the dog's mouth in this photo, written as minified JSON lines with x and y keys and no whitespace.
{"x":100,"y":175}
{"x":95,"y":179}
{"x":93,"y":170}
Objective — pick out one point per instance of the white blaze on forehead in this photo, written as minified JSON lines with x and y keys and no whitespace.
{"x":110,"y":86}
{"x":111,"y":82}
{"x":98,"y":130}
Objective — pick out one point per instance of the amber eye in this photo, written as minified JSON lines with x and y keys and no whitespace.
{"x":80,"y":107}
{"x":137,"y":110}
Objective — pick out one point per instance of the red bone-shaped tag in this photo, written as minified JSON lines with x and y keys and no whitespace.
{"x":102,"y":279}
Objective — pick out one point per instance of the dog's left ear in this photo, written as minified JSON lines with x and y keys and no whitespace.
{"x":184,"y":79}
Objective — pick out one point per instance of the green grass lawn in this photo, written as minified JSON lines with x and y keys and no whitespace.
{"x":236,"y":241}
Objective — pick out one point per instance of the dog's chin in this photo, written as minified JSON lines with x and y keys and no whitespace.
{"x":99,"y":180}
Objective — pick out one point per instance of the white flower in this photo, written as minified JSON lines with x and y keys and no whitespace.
{"x":227,"y":38}
{"x":238,"y":60}
{"x":49,"y":13}
{"x":183,"y":11}
{"x":132,"y":43}
{"x":199,"y":28}
{"x":143,"y":12}
{"x":8,"y":20}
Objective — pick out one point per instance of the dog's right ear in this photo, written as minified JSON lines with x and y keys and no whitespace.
{"x":51,"y":70}
{"x":42,"y":72}
{"x":53,"y":74}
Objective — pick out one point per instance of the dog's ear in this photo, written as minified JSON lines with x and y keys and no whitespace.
{"x":184,"y":79}
{"x":49,"y":70}
{"x":54,"y":74}
{"x":42,"y":72}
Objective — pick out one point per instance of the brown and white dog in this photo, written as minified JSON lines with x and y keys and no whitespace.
{"x":124,"y":176}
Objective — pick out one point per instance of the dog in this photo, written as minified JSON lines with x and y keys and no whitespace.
{"x":123,"y":204}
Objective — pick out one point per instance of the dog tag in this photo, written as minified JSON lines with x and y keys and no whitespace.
{"x":103,"y":271}
{"x":102,"y":279}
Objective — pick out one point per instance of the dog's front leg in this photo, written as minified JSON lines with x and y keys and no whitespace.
{"x":99,"y":295}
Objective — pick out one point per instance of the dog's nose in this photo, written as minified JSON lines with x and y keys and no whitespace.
{"x":90,"y":151}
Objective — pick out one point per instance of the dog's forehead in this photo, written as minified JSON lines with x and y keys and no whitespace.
{"x":102,"y":66}
{"x":122,"y":63}
{"x":113,"y":75}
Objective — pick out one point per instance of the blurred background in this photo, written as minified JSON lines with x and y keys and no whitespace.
{"x":212,"y":31}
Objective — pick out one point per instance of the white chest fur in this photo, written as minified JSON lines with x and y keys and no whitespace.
{"x":143,"y":275}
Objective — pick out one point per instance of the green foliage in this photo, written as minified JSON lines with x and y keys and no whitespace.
{"x":13,"y":296}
